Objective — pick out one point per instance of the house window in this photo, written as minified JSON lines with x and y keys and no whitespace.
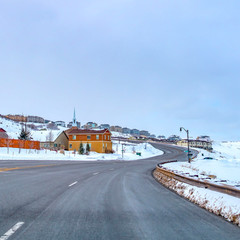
{"x":105,"y":137}
{"x":108,"y":137}
{"x":106,"y":145}
{"x":97,"y":137}
{"x":70,"y":145}
{"x":88,"y":137}
{"x":55,"y":144}
{"x":74,"y":137}
{"x":103,"y":145}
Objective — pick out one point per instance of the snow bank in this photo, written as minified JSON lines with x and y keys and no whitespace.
{"x":219,"y":203}
{"x":129,"y":153}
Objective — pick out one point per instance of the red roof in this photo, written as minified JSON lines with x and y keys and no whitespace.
{"x":86,"y":131}
{"x":2,"y":130}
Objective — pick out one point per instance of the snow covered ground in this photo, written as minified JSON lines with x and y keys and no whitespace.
{"x":129,"y":153}
{"x":224,"y":167}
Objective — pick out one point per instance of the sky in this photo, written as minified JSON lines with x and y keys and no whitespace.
{"x":156,"y":65}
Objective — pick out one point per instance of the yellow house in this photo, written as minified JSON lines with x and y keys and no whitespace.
{"x":98,"y":140}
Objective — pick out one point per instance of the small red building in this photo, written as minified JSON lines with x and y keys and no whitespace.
{"x":3,"y":133}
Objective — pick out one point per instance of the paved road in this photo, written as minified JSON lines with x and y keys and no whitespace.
{"x":100,"y":200}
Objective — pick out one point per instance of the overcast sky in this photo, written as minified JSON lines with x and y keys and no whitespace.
{"x":155,"y":65}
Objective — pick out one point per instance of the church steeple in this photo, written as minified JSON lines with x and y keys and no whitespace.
{"x":74,"y":124}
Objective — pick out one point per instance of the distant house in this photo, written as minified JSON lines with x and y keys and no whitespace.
{"x":104,"y":126}
{"x":90,"y":125}
{"x":16,"y":117}
{"x":204,"y":138}
{"x":99,"y":140}
{"x":126,"y":130}
{"x":161,"y":137}
{"x":152,"y":136}
{"x":144,"y":133}
{"x":3,"y":133}
{"x":60,"y":123}
{"x":35,"y":119}
{"x":116,"y":129}
{"x":173,"y":138}
{"x":195,"y":143}
{"x":135,"y":132}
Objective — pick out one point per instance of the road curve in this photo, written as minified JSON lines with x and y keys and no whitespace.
{"x":101,"y":200}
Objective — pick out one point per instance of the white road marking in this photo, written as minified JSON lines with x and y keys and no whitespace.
{"x":69,"y":186}
{"x":111,"y":169}
{"x":11,"y":231}
{"x":95,"y":173}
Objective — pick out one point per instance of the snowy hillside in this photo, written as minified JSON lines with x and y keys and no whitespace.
{"x":13,"y":130}
{"x":41,"y":132}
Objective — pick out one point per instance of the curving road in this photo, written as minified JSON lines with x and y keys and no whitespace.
{"x":100,"y":200}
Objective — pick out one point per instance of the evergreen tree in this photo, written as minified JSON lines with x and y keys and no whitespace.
{"x":88,"y":148}
{"x":24,"y":135}
{"x":81,"y":149}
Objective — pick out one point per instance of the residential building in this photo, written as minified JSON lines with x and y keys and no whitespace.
{"x":35,"y":119}
{"x":204,"y":138}
{"x":18,"y":118}
{"x":135,"y":132}
{"x":99,"y":140}
{"x":60,"y":123}
{"x":3,"y":133}
{"x":195,"y":143}
{"x":62,"y":140}
{"x":144,"y":133}
{"x":161,"y":137}
{"x":104,"y":126}
{"x":173,"y":138}
{"x":90,"y":125}
{"x":152,"y":136}
{"x":116,"y":129}
{"x":126,"y":130}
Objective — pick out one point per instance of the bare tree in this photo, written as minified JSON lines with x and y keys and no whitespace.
{"x":49,"y":138}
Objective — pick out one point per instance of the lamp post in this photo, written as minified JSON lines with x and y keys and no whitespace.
{"x":187,"y":131}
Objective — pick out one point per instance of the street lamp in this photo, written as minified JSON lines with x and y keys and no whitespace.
{"x":187,"y":131}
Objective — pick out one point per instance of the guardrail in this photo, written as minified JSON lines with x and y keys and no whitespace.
{"x":223,"y":188}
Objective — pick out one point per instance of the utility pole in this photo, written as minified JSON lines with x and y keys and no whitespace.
{"x":187,"y":131}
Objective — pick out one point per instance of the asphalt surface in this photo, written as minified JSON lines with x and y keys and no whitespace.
{"x":100,"y":200}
